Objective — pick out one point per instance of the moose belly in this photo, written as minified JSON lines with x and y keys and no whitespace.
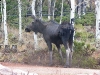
{"x":56,"y":40}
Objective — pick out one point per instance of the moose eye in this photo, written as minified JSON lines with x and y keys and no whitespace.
{"x":32,"y":22}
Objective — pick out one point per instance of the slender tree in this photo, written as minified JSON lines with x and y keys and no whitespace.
{"x":40,"y":9}
{"x":97,"y":9}
{"x":83,"y":7}
{"x":1,"y":12}
{"x":72,"y":11}
{"x":53,"y":12}
{"x":33,"y":13}
{"x":52,"y":9}
{"x":72,"y":15}
{"x":61,"y":12}
{"x":79,"y":8}
{"x":5,"y":23}
{"x":49,"y":7}
{"x":20,"y":20}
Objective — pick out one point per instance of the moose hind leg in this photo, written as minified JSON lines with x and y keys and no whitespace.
{"x":50,"y":57}
{"x":65,"y":42}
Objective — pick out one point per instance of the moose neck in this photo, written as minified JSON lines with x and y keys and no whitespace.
{"x":41,"y":28}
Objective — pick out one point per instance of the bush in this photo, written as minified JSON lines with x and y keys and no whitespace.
{"x":82,"y":55}
{"x":88,"y":19}
{"x":77,"y":34}
{"x":84,"y":62}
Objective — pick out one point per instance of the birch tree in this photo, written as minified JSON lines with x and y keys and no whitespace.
{"x":2,"y":15}
{"x":97,"y":9}
{"x":54,"y":2}
{"x":5,"y":23}
{"x":79,"y":8}
{"x":52,"y":9}
{"x":72,"y":11}
{"x":1,"y":12}
{"x":49,"y":7}
{"x":33,"y":13}
{"x":61,"y":12}
{"x":20,"y":20}
{"x":40,"y":9}
{"x":83,"y":7}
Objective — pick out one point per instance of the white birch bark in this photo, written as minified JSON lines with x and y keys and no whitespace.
{"x":72,"y":12}
{"x":35,"y":36}
{"x":97,"y":3}
{"x":79,"y":8}
{"x":53,"y":9}
{"x":61,"y":12}
{"x":5,"y":24}
{"x":2,"y":14}
{"x":1,"y":6}
{"x":40,"y":9}
{"x":84,"y":7}
{"x":20,"y":20}
{"x":49,"y":9}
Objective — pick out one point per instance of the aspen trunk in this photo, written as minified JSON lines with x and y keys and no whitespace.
{"x":97,"y":3}
{"x":49,"y":7}
{"x":53,"y":12}
{"x":61,"y":12}
{"x":33,"y":13}
{"x":72,"y":12}
{"x":5,"y":24}
{"x":20,"y":20}
{"x":40,"y":9}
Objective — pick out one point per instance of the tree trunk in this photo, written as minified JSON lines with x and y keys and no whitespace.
{"x":79,"y":8}
{"x":83,"y":7}
{"x":40,"y":9}
{"x":97,"y":3}
{"x":61,"y":12}
{"x":35,"y":36}
{"x":5,"y":24}
{"x":1,"y":26}
{"x":1,"y":12}
{"x":49,"y":7}
{"x":52,"y":9}
{"x":20,"y":20}
{"x":54,"y":2}
{"x":72,"y":12}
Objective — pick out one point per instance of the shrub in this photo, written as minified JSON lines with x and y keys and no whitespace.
{"x":82,"y":55}
{"x":88,"y":19}
{"x":77,"y":34}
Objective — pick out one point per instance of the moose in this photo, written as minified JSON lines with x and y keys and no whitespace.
{"x":57,"y":34}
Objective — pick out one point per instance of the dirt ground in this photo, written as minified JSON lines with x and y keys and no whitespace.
{"x":42,"y":70}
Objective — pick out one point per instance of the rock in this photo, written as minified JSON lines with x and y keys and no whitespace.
{"x":7,"y":71}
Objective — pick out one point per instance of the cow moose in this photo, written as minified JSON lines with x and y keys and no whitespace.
{"x":57,"y":34}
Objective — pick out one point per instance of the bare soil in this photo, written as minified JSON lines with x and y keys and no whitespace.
{"x":42,"y":70}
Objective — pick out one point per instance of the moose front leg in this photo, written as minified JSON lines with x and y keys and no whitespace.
{"x":69,"y":54}
{"x":67,"y":57}
{"x":65,"y":42}
{"x":50,"y":52}
{"x":71,"y":51}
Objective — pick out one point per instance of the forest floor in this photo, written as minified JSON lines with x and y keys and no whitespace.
{"x":43,"y":70}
